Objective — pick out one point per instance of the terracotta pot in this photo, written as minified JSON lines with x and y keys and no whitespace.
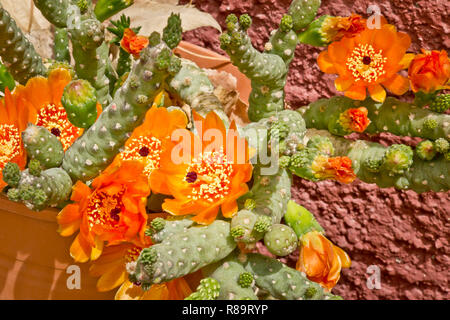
{"x":34,"y":258}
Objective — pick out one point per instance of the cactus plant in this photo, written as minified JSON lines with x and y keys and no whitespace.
{"x":170,"y":248}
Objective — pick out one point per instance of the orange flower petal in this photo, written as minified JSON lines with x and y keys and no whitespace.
{"x":207,"y":216}
{"x":80,"y":250}
{"x":356,"y":92}
{"x":343,"y":84}
{"x":325,"y":63}
{"x":57,"y":81}
{"x":377,"y":93}
{"x":397,"y":84}
{"x":69,"y":220}
{"x":113,"y":278}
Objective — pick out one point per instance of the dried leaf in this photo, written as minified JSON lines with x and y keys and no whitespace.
{"x":32,"y":23}
{"x":152,"y":15}
{"x":225,"y":88}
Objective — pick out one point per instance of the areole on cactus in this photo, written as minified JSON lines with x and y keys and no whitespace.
{"x":102,"y":143}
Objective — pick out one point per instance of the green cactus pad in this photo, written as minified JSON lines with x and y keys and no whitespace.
{"x":300,"y":219}
{"x":235,"y":282}
{"x":172,"y":32}
{"x":282,"y":282}
{"x":18,"y":54}
{"x":183,"y":253}
{"x":43,"y":146}
{"x":161,"y":229}
{"x":61,"y":45}
{"x":281,"y":240}
{"x":303,"y":12}
{"x":105,"y":9}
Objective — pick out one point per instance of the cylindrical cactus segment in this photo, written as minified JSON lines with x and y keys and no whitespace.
{"x":54,"y":11}
{"x":96,"y":149}
{"x":80,"y":102}
{"x":161,"y":229}
{"x":43,"y":146}
{"x":182,"y":254}
{"x":172,"y":32}
{"x":300,"y":219}
{"x":18,"y":54}
{"x":235,"y":282}
{"x":105,"y":9}
{"x":281,"y":240}
{"x":303,"y":13}
{"x":49,"y":189}
{"x":61,"y":45}
{"x":281,"y":281}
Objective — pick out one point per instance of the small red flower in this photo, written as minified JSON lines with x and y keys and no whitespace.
{"x":355,"y":119}
{"x":132,"y":43}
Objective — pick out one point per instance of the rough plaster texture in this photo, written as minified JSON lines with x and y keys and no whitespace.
{"x":405,"y":234}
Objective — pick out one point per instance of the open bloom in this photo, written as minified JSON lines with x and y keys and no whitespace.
{"x":150,"y":140}
{"x":211,"y":174}
{"x":132,"y":43}
{"x":321,"y":260}
{"x":430,"y":71}
{"x":14,"y":117}
{"x":44,"y":95}
{"x":354,"y":119}
{"x":337,"y":168}
{"x":114,"y":211}
{"x":112,"y":273}
{"x":369,"y":61}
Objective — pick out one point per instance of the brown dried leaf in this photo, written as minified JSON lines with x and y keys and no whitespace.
{"x":152,"y":15}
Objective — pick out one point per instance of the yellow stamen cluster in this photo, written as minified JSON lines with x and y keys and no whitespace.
{"x":213,"y":176}
{"x":54,"y":118}
{"x":104,"y":209}
{"x":9,"y":143}
{"x":132,"y":254}
{"x":147,"y":149}
{"x":365,"y":64}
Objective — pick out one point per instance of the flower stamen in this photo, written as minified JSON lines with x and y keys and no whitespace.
{"x":146,"y":149}
{"x":365,"y":64}
{"x":54,"y":118}
{"x":9,"y":143}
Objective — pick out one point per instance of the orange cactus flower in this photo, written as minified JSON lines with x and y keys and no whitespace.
{"x":114,"y":211}
{"x":336,"y":28}
{"x":44,"y":95}
{"x":150,"y":140}
{"x":355,"y":119}
{"x":370,"y":60}
{"x":321,"y":260}
{"x":338,"y":168}
{"x":15,"y":114}
{"x":132,"y":43}
{"x":112,"y":273}
{"x":430,"y":71}
{"x":212,"y":176}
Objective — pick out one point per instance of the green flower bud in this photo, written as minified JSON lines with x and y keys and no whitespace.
{"x":441,"y":145}
{"x":398,"y":158}
{"x":80,"y":102}
{"x":425,"y":150}
{"x":245,"y":279}
{"x":11,"y":174}
{"x":441,"y":103}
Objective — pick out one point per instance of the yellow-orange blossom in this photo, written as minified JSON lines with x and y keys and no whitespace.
{"x":369,"y":61}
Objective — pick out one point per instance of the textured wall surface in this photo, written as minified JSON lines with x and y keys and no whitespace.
{"x":403,"y":233}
